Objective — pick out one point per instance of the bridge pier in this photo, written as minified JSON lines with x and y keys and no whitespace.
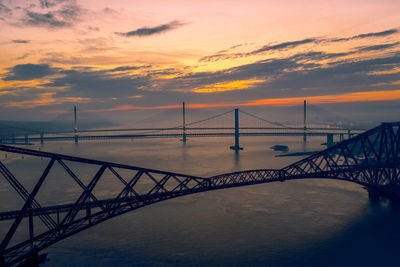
{"x":236,"y":147}
{"x":329,"y":139}
{"x":26,"y":139}
{"x":375,"y":194}
{"x":41,"y":137}
{"x":33,"y":259}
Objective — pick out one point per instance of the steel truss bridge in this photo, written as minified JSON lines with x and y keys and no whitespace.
{"x":370,"y":159}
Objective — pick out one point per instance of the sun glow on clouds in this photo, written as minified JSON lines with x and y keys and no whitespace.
{"x":135,"y":96}
{"x":45,"y":100}
{"x":4,"y":92}
{"x":227,"y":86}
{"x":350,"y":97}
{"x":342,"y":98}
{"x":19,"y":84}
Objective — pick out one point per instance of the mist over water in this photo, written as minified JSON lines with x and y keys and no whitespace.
{"x":312,"y":222}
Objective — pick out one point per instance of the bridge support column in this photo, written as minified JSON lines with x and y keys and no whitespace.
{"x":26,"y":139}
{"x":349,"y":133}
{"x":183,"y":123}
{"x":373,"y":195}
{"x":75,"y":126}
{"x":33,"y":259}
{"x":13,"y":139}
{"x":329,"y":140}
{"x":41,"y":137}
{"x":305,"y":122}
{"x":236,"y":147}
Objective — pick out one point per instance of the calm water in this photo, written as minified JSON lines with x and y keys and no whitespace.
{"x":296,"y":223}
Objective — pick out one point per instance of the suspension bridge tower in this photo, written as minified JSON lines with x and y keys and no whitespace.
{"x":183,"y":123}
{"x":75,"y":126}
{"x":236,"y":147}
{"x":305,"y":122}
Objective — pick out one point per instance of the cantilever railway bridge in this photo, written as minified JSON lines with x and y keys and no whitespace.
{"x":370,"y":159}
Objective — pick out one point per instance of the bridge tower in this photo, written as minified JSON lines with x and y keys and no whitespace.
{"x":236,"y":147}
{"x":183,"y":123}
{"x":305,"y":122}
{"x":75,"y":126}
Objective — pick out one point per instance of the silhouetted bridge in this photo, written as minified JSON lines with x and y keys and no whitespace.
{"x":185,"y":131}
{"x":370,"y":159}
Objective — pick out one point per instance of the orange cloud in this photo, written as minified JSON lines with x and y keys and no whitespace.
{"x":45,"y":100}
{"x":17,"y":84}
{"x":136,"y":96}
{"x":227,"y":86}
{"x":4,"y":92}
{"x":343,"y":98}
{"x":350,"y":97}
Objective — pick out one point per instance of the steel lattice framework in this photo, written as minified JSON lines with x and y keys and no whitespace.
{"x":370,"y":159}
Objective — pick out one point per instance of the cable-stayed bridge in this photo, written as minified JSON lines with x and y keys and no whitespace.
{"x":233,"y":122}
{"x":370,"y":159}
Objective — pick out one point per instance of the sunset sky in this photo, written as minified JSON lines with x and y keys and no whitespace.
{"x":126,"y":55}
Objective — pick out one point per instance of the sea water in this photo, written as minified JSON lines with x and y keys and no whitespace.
{"x":310,"y":222}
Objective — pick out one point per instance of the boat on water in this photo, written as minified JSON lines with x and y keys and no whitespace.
{"x":280,"y":148}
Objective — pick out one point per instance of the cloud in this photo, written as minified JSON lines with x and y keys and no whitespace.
{"x":285,"y":45}
{"x":70,"y":12}
{"x":62,"y":13}
{"x":305,"y":74}
{"x":125,"y":68}
{"x":223,"y":55}
{"x":26,"y":72}
{"x":147,"y":31}
{"x":367,"y":35}
{"x":96,"y":84}
{"x":377,"y":47}
{"x":4,"y":11}
{"x":48,"y":20}
{"x":24,"y":56}
{"x":46,"y":99}
{"x":52,"y":3}
{"x":21,"y":41}
{"x":299,"y":75}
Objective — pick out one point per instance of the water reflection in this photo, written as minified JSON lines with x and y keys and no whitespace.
{"x":296,"y":223}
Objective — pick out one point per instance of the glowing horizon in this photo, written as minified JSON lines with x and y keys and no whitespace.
{"x":343,"y":98}
{"x":128,"y":55}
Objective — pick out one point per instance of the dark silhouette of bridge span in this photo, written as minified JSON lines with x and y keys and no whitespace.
{"x":190,"y":130}
{"x":370,"y":159}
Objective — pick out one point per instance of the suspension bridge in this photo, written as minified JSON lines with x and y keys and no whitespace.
{"x":213,"y":126}
{"x":370,"y":159}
